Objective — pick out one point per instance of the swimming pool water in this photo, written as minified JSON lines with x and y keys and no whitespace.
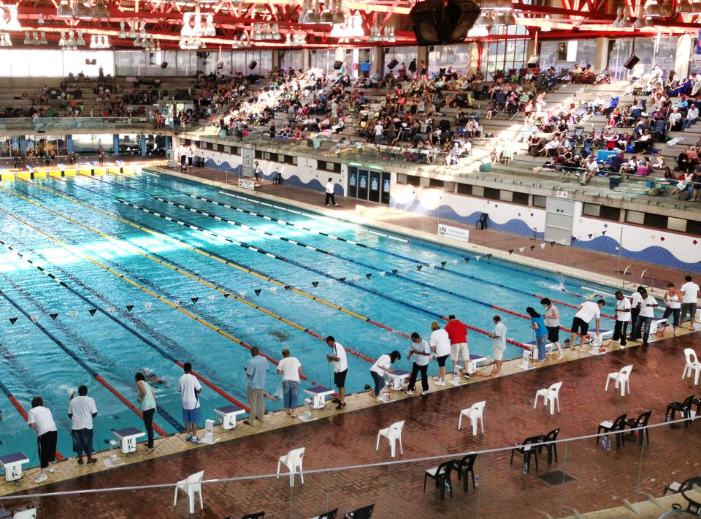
{"x":131,"y":299}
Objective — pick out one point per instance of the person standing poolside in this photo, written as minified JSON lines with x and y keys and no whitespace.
{"x":256,"y":371}
{"x":647,"y":312}
{"x":189,"y":388}
{"x":672,"y":298}
{"x":289,"y":368}
{"x":580,"y":324}
{"x":81,"y":411}
{"x":421,"y":352}
{"x":440,"y":344}
{"x":340,"y":368}
{"x":498,"y":336}
{"x":41,"y":420}
{"x":330,"y":196}
{"x":379,"y":370}
{"x":635,"y":300}
{"x":622,"y":318}
{"x":457,"y":332}
{"x":147,"y":400}
{"x":541,"y":332}
{"x":690,"y":290}
{"x":552,"y":323}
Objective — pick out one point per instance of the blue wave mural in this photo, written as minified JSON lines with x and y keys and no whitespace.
{"x":653,"y":254}
{"x":446,"y":212}
{"x":293,"y":180}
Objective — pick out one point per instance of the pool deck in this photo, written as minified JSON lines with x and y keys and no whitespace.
{"x":347,"y":437}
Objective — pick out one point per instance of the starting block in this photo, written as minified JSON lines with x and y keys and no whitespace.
{"x":398,"y":378}
{"x":474,"y":362}
{"x":596,"y":342}
{"x":128,"y":438}
{"x":528,"y":355}
{"x":318,"y":394}
{"x":12,"y":464}
{"x":228,"y":415}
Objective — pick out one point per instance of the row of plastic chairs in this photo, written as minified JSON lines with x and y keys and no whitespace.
{"x":361,"y":513}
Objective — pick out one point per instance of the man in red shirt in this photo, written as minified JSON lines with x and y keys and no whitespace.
{"x":457,"y":331}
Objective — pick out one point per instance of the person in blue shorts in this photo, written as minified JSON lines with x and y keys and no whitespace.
{"x":190,"y":388}
{"x":541,"y":332}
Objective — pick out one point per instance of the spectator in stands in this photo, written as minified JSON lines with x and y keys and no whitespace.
{"x":591,"y":168}
{"x":692,"y":114}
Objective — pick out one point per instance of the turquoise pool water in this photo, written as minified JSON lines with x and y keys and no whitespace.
{"x":217,"y":273}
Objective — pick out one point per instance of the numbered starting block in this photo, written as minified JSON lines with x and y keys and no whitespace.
{"x":528,"y":355}
{"x":12,"y":464}
{"x":596,"y":341}
{"x":398,"y":378}
{"x":319,"y":394}
{"x":128,"y":438}
{"x":229,"y":415}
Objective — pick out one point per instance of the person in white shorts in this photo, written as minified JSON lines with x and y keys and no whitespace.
{"x":457,"y":331}
{"x":498,"y":336}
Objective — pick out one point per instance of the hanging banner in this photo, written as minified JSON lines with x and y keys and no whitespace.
{"x":456,"y":233}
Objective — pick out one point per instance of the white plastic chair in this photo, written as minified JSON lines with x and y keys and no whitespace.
{"x":552,"y":395}
{"x":293,"y":461}
{"x":26,"y":514}
{"x":621,"y":378}
{"x":191,"y":485}
{"x":692,"y":364}
{"x":392,"y":433}
{"x":474,"y":413}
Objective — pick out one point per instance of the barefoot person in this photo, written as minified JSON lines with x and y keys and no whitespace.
{"x":552,"y":324}
{"x":440,"y":344}
{"x":189,"y":388}
{"x":457,"y":332}
{"x":498,"y":336}
{"x":690,"y":290}
{"x":290,"y":368}
{"x":81,"y":411}
{"x":540,"y":332}
{"x":672,"y":298}
{"x":580,"y":324}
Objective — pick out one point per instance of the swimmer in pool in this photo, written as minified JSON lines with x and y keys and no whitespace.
{"x":154,"y":379}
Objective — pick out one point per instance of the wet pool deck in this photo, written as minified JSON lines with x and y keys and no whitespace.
{"x":345,"y":438}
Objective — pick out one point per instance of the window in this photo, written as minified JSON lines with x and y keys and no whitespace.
{"x":657,"y":221}
{"x":610,"y":213}
{"x":401,"y":178}
{"x":434,"y":182}
{"x":491,"y":193}
{"x":413,"y":181}
{"x":635,"y":217}
{"x":693,"y":227}
{"x":539,"y":201}
{"x":505,"y":54}
{"x":520,"y":198}
{"x":259,"y":154}
{"x":506,"y":196}
{"x":289,"y":159}
{"x":591,"y":209}
{"x":676,"y":224}
{"x":220,"y":147}
{"x":465,"y":189}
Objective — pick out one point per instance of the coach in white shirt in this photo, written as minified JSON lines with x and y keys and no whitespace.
{"x":690,"y":290}
{"x":622,"y":318}
{"x":330,"y":196}
{"x":339,"y":359}
{"x":81,"y":411}
{"x":580,"y":324}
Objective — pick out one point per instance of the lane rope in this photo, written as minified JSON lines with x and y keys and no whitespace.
{"x":121,"y":323}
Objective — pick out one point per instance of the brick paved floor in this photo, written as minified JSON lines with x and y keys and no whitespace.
{"x":602,"y":479}
{"x":583,"y":259}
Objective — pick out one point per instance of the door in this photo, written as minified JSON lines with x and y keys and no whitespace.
{"x":386,"y":181}
{"x":363,"y":184}
{"x":559,"y":220}
{"x":353,"y":182}
{"x":374,"y":186}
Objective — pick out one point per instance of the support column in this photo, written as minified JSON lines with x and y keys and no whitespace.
{"x":474,"y":56}
{"x":23,"y":145}
{"x":167,"y":145}
{"x":115,"y":144}
{"x":378,"y":61}
{"x":69,"y":144}
{"x":306,"y":60}
{"x":276,"y":59}
{"x":422,"y":55}
{"x":601,"y":59}
{"x":142,"y":144}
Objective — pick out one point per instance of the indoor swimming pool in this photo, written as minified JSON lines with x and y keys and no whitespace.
{"x":105,"y":276}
